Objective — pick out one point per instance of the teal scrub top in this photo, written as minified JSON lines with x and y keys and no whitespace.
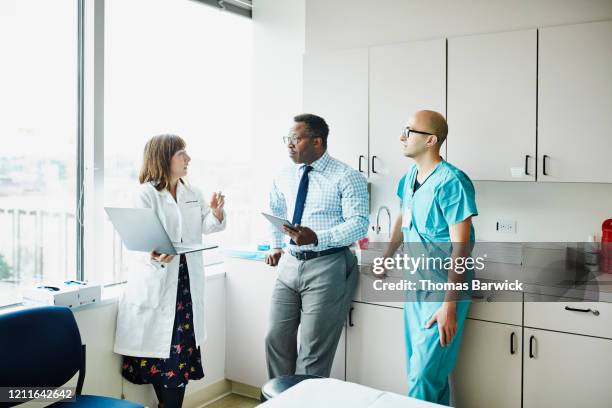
{"x":445,"y":198}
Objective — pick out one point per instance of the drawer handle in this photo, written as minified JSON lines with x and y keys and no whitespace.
{"x":544,"y":165}
{"x":572,"y":309}
{"x":531,"y":339}
{"x":351,"y":317}
{"x":512,"y":336}
{"x":527,"y":164}
{"x":488,"y":298}
{"x":373,"y":169}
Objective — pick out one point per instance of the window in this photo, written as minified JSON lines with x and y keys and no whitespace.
{"x":38,"y":132}
{"x":184,"y":68}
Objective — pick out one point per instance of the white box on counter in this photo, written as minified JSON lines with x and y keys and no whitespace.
{"x":52,"y":294}
{"x":88,"y":292}
{"x":71,"y":293}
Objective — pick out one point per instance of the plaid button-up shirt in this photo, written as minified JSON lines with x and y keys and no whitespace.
{"x":336,"y":207}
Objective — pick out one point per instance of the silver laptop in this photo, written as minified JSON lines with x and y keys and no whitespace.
{"x":141,"y":230}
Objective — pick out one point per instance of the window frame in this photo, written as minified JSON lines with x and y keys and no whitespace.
{"x":89,"y":209}
{"x":80,"y":140}
{"x":92,"y":193}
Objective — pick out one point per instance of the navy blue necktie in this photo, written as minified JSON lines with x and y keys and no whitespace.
{"x":301,"y":198}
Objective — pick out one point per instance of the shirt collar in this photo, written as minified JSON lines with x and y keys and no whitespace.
{"x":180,"y":190}
{"x":413,"y":179}
{"x":319,"y":164}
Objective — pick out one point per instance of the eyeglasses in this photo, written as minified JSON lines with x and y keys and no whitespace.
{"x":292,"y":138}
{"x":408,"y":130}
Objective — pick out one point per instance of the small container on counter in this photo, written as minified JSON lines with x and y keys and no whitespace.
{"x":606,"y":246}
{"x":591,"y":254}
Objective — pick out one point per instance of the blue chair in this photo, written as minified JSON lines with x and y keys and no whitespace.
{"x":41,"y":347}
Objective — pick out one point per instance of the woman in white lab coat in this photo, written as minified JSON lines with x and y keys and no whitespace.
{"x":161,"y":324}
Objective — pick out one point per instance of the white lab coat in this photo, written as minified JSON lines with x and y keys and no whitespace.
{"x":147,"y":307}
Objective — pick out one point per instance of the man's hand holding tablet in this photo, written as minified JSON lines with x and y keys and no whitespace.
{"x":278,"y":222}
{"x":300,"y":235}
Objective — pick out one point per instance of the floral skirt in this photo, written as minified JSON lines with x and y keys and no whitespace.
{"x":185,"y":361}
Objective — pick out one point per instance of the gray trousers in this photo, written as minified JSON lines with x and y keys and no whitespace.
{"x":315,"y":295}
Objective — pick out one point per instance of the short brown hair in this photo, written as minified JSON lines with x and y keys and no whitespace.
{"x":156,"y":159}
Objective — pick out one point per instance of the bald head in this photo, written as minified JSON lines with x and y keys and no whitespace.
{"x":432,"y":122}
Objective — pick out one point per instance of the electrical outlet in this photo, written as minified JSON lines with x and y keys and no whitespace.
{"x":506,"y":226}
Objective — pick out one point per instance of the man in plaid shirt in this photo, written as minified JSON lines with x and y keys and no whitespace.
{"x":328,"y":202}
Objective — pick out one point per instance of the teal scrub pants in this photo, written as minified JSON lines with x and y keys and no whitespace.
{"x":429,"y":364}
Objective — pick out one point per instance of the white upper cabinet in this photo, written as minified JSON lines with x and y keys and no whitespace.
{"x":492,"y":105}
{"x":521,"y":106}
{"x":575,"y":103}
{"x":336,"y":88}
{"x":404,"y":78}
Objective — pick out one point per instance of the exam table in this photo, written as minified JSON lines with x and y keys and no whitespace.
{"x":332,"y":393}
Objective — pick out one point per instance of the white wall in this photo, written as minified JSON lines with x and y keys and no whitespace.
{"x":278,"y":35}
{"x":555,"y":212}
{"x":544,"y":211}
{"x":356,"y":23}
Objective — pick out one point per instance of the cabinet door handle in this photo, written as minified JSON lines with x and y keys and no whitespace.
{"x":531,"y":339}
{"x":544,"y":165}
{"x":373,"y":170}
{"x":527,"y":164}
{"x":351,"y":317}
{"x":512,"y":336}
{"x":361,"y":157}
{"x":572,"y":309}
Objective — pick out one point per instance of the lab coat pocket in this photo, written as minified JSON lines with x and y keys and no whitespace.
{"x":145,"y":286}
{"x":192,"y":207}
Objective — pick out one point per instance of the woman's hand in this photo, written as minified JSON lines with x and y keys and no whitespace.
{"x":165,"y":258}
{"x":216,"y":205}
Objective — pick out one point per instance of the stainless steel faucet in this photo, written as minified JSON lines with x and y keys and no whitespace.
{"x":377,"y":228}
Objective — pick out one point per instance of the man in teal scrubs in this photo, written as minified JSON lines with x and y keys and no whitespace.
{"x":438,"y":203}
